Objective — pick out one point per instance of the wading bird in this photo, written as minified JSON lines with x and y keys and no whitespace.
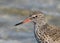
{"x":44,"y":32}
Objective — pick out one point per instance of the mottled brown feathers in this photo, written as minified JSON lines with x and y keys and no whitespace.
{"x":44,"y":31}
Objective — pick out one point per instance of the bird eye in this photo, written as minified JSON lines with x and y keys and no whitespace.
{"x":36,"y":16}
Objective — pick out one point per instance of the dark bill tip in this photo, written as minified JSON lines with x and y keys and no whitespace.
{"x":18,"y":24}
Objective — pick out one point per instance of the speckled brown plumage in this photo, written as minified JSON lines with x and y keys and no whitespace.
{"x":49,"y":33}
{"x":44,"y":32}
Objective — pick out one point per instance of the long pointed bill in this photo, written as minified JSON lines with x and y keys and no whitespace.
{"x":25,"y":21}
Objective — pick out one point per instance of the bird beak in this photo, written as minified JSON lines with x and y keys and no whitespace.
{"x":25,"y":21}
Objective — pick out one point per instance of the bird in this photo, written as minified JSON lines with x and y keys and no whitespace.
{"x":43,"y":31}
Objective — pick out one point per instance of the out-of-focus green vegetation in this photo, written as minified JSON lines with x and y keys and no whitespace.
{"x":19,"y":11}
{"x":15,"y":11}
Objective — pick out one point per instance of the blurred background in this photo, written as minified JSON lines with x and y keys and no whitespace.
{"x":15,"y":11}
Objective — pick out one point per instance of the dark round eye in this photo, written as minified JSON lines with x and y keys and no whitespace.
{"x":36,"y":16}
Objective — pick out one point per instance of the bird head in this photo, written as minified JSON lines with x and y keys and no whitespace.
{"x":36,"y":15}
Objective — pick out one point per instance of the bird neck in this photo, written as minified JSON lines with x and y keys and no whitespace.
{"x":40,"y":26}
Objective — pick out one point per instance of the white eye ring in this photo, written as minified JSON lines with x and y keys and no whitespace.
{"x":34,"y":16}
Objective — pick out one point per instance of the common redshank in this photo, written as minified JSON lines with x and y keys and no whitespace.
{"x":44,"y":32}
